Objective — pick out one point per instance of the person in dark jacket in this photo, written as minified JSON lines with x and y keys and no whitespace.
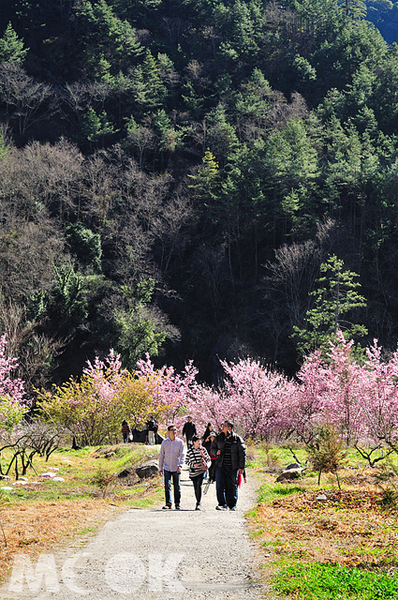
{"x":189,"y":430}
{"x":126,"y":431}
{"x":231,"y":459}
{"x":206,"y":436}
{"x":212,"y":469}
{"x":151,"y":428}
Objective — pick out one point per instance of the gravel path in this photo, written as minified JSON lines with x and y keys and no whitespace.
{"x":153,"y":554}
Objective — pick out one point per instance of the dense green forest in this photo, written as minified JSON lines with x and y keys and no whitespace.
{"x":173,"y":174}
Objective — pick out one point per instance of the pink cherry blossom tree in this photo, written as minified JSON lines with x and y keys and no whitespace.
{"x":171,"y":392}
{"x":380,"y":399}
{"x":13,"y":402}
{"x":257,"y":397}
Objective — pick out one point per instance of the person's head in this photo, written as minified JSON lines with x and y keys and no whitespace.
{"x":124,"y":422}
{"x":212,"y":435}
{"x":196,"y":441}
{"x":227,"y":427}
{"x":172,"y":430}
{"x":209,"y":426}
{"x":189,"y":418}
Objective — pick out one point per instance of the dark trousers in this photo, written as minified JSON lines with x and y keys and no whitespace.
{"x":197,"y":486}
{"x":212,"y":471}
{"x":227,"y":486}
{"x":168,"y":476}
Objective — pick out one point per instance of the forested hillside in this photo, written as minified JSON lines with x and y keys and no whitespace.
{"x":174,"y":173}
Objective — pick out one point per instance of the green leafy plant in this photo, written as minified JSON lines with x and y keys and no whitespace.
{"x":326,"y":452}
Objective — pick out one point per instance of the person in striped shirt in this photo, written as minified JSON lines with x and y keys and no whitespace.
{"x":199,"y":461}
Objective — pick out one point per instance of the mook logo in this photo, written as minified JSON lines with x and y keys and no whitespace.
{"x":123,"y":573}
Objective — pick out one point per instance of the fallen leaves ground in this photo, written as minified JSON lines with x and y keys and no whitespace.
{"x":35,"y":527}
{"x":350,"y":527}
{"x":33,"y":523}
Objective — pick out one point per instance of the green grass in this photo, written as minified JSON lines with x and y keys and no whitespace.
{"x":87,"y":530}
{"x":278,"y":456}
{"x":332,"y":582}
{"x":79,"y":468}
{"x":268,"y":493}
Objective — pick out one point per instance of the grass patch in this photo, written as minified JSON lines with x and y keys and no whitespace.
{"x":333,"y":582}
{"x":45,"y":514}
{"x":277,"y":457}
{"x":325,"y":543}
{"x":268,"y":493}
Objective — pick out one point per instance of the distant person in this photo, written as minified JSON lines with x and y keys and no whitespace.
{"x":206,"y":436}
{"x":189,"y":430}
{"x":171,"y":459}
{"x":126,"y":431}
{"x":151,"y":428}
{"x":231,"y":458}
{"x":199,"y":461}
{"x":213,"y":457}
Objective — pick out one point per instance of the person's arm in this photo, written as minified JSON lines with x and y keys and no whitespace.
{"x":241,"y":454}
{"x":206,"y":456}
{"x":214,"y":446}
{"x":161,"y":458}
{"x":181,"y":457}
{"x":190,"y":458}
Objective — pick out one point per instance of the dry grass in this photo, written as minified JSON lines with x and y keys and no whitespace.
{"x":43,"y":515}
{"x":37,"y":527}
{"x":350,"y":528}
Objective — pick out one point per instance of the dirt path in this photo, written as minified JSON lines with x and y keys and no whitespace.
{"x":153,"y":554}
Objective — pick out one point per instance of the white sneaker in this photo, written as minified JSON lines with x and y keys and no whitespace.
{"x":219,"y":507}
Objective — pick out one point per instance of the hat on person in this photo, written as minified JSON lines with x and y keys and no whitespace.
{"x":212,"y":433}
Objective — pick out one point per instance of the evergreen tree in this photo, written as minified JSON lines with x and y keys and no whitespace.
{"x":12,"y":47}
{"x":335,"y":298}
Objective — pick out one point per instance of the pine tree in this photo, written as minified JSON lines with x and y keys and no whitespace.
{"x":11,"y":47}
{"x":336,"y":296}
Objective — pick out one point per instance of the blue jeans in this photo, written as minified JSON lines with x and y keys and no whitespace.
{"x":168,"y":475}
{"x":227,"y":486}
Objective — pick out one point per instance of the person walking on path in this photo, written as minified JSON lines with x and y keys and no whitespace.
{"x":213,"y":457}
{"x":199,"y":461}
{"x":126,"y":431}
{"x":171,"y":459}
{"x":206,"y":436}
{"x":231,"y":458}
{"x":189,"y":430}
